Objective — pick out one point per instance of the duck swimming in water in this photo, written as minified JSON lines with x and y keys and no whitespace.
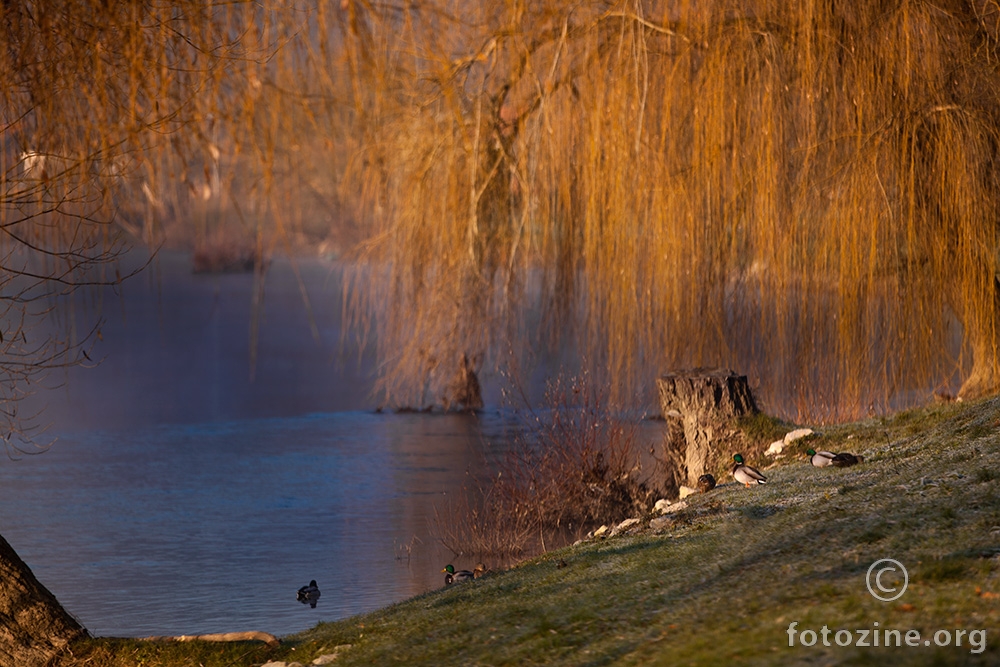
{"x":746,"y":475}
{"x":308,"y":594}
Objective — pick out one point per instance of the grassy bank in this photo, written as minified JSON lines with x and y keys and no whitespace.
{"x":725,"y":580}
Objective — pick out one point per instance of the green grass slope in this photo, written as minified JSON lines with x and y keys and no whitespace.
{"x":727,"y":577}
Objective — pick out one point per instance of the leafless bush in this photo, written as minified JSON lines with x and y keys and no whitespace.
{"x":571,"y":467}
{"x":475,"y":521}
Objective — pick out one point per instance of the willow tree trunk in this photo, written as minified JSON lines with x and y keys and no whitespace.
{"x":33,"y":625}
{"x":707,"y":402}
{"x":982,"y":335}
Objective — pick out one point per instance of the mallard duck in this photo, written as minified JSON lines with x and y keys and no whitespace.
{"x":479,"y":571}
{"x":820,"y":459}
{"x":846,"y":459}
{"x":706,"y":483}
{"x":744,"y":474}
{"x":453,"y":576}
{"x":308,"y":594}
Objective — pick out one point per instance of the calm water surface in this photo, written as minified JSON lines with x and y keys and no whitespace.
{"x":181,"y":529}
{"x":183,"y":497}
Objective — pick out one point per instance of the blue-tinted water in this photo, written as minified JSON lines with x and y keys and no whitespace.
{"x":192,"y":491}
{"x":183,"y":497}
{"x":182,"y":529}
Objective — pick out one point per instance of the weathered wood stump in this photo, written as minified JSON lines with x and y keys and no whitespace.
{"x":33,"y":625}
{"x":706,"y":401}
{"x":463,"y":390}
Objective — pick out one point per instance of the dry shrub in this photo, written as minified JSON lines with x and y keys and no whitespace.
{"x":570,"y":468}
{"x":474,"y":522}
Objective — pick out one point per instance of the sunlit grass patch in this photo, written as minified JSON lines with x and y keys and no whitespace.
{"x":763,"y":427}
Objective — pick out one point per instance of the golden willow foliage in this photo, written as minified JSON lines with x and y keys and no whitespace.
{"x":806,"y":192}
{"x":99,"y":102}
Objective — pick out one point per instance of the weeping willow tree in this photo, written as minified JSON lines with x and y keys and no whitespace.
{"x":806,"y":192}
{"x":103,"y":108}
{"x":803,"y":193}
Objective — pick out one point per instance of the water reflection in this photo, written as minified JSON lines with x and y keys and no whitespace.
{"x":182,"y":497}
{"x":176,"y":347}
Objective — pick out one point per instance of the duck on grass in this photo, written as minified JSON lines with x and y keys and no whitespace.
{"x":822,"y":459}
{"x":453,"y":576}
{"x":746,"y":475}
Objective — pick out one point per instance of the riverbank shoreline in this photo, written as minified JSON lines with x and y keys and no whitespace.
{"x":730,"y":576}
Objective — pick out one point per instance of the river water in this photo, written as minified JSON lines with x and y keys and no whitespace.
{"x":190,"y":489}
{"x":180,"y":497}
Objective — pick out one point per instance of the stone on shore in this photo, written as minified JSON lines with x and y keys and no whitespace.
{"x":797,"y":434}
{"x":776,"y":448}
{"x":623,"y":526}
{"x":675,"y":507}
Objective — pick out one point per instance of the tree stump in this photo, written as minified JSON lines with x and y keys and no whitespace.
{"x":706,"y":401}
{"x":33,"y":625}
{"x":464,"y":390}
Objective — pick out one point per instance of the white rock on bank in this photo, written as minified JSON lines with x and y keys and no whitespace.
{"x":330,"y":657}
{"x":796,"y":434}
{"x":661,"y":505}
{"x":624,"y":525}
{"x":600,"y":531}
{"x":686,"y":491}
{"x":676,"y":507}
{"x":776,"y":448}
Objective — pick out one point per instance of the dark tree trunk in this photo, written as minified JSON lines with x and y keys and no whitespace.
{"x":706,"y":401}
{"x":464,"y":390}
{"x":982,"y":335}
{"x":33,"y":625}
